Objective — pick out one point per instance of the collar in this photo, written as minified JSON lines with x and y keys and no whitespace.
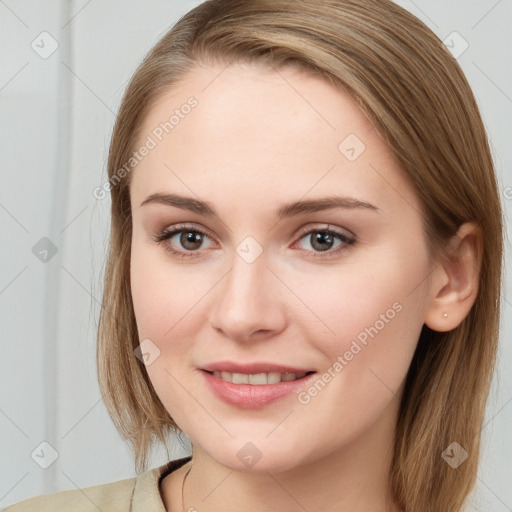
{"x":146,"y":495}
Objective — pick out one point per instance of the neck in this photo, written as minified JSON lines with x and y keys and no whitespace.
{"x":353,"y":477}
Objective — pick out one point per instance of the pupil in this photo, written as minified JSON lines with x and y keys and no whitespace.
{"x":323,"y":239}
{"x":190,"y":238}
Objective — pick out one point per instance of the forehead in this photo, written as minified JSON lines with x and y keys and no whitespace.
{"x":266,"y":132}
{"x":255,"y":97}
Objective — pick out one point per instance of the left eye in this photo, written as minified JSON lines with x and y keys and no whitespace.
{"x":322,"y":240}
{"x":190,"y":239}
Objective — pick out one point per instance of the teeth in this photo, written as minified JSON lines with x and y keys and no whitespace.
{"x":240,"y":378}
{"x":257,"y":378}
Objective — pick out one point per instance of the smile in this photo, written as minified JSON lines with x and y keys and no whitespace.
{"x":258,"y":379}
{"x":255,"y":390}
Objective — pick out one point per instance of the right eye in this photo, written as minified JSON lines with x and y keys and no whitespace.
{"x":189,"y":238}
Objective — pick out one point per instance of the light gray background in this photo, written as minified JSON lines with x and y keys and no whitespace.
{"x":56,"y":116}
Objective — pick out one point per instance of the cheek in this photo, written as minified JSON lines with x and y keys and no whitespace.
{"x":369,"y":312}
{"x":163,"y":302}
{"x":147,"y":292}
{"x":171,"y":302}
{"x":376,"y":323}
{"x":162,"y":297}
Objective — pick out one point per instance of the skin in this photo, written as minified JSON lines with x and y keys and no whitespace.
{"x":251,"y":144}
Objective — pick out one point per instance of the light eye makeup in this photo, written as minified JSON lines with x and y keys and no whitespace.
{"x":325,"y":241}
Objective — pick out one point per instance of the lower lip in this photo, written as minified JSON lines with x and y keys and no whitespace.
{"x":253,"y":396}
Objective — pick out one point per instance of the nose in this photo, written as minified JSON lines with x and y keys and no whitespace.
{"x":248,"y":302}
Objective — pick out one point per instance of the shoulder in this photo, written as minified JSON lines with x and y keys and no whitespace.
{"x":137,"y":494}
{"x":110,"y":497}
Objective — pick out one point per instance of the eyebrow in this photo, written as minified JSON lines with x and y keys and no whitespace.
{"x":284,"y":211}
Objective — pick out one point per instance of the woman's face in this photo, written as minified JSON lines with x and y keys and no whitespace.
{"x":252,"y":158}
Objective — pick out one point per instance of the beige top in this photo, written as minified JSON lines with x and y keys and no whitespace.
{"x":137,"y":494}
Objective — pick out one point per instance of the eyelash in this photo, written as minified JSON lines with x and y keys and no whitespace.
{"x":168,"y":233}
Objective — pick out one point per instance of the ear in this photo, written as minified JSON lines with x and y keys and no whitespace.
{"x":455,"y":280}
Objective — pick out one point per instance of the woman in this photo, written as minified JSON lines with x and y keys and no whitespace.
{"x":305,"y":265}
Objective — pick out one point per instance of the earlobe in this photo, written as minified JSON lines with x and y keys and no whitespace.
{"x":455,"y":283}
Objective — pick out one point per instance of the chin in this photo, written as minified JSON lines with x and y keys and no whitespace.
{"x":259,"y":456}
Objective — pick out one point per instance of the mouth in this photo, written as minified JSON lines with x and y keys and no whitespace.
{"x":259,"y":379}
{"x":256,"y":385}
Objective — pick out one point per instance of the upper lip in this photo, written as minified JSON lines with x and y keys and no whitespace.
{"x":253,"y":368}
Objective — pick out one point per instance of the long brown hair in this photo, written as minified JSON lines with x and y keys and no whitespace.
{"x":415,"y":93}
